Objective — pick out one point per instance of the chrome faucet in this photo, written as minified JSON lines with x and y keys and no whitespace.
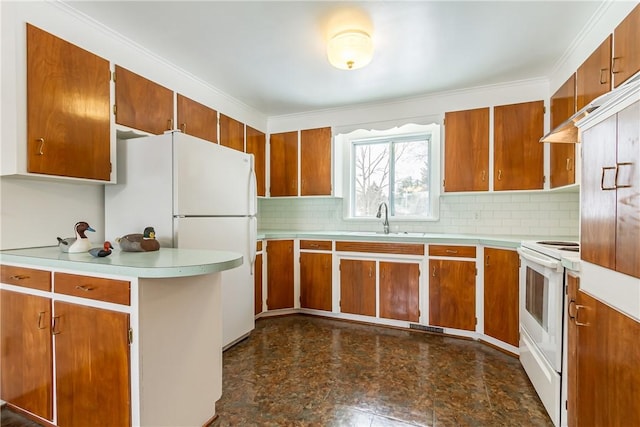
{"x":385,"y":222}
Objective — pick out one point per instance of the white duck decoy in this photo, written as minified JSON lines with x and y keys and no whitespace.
{"x":77,"y":244}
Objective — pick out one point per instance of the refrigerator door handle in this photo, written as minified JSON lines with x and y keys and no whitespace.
{"x":253,"y":189}
{"x":253,"y":232}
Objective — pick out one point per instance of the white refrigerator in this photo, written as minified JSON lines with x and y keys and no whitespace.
{"x":197,"y":195}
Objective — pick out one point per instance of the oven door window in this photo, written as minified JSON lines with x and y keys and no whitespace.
{"x":536,"y":297}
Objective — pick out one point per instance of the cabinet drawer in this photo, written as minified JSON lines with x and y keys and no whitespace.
{"x":108,"y":290}
{"x":319,"y":245}
{"x":27,"y":277}
{"x":452,"y":251}
{"x":382,"y":248}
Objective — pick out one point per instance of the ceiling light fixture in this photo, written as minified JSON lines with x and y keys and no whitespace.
{"x":350,"y":50}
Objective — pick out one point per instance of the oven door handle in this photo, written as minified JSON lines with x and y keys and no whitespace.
{"x":538,"y":259}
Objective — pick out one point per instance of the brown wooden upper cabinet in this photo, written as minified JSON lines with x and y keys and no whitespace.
{"x":231,"y":133}
{"x":562,"y":156}
{"x":315,"y":162}
{"x":68,"y":107}
{"x":196,"y":119}
{"x":256,"y":145}
{"x":594,"y":75}
{"x":518,"y":154}
{"x":283,"y":164}
{"x":609,"y":196}
{"x":466,"y":150}
{"x":142,"y":104}
{"x":626,"y":54}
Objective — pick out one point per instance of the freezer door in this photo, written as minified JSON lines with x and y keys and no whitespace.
{"x":211,"y":180}
{"x":229,"y":234}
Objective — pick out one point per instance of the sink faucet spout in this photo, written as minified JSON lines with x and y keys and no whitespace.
{"x":385,"y":222}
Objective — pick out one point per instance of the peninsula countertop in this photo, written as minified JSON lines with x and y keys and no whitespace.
{"x":164,"y":263}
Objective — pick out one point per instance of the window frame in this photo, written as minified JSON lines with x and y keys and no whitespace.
{"x":345,"y":161}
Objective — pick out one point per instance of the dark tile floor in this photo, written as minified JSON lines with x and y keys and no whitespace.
{"x":304,"y":370}
{"x":308,"y":371}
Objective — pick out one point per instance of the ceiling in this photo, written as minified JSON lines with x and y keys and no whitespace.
{"x":271,"y":55}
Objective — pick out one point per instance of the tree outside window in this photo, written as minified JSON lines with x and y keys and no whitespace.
{"x":392,"y":170}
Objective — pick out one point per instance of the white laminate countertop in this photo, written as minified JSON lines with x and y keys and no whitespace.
{"x":164,"y":263}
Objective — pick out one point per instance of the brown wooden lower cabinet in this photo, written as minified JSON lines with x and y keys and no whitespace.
{"x":27,"y":361}
{"x":604,"y":364}
{"x":452,"y":294}
{"x":501,"y":275}
{"x":358,"y":287}
{"x":399,"y":291}
{"x":279,"y":274}
{"x":92,"y":366}
{"x":315,"y":281}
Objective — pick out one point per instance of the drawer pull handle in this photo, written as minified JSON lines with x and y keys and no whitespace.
{"x":484,"y":175}
{"x":603,"y":75}
{"x":370,"y":271}
{"x":314,"y":245}
{"x":614,"y":63}
{"x":487,"y":262}
{"x":451,"y":251}
{"x":54,"y":327}
{"x":434,"y":272}
{"x":183,"y":128}
{"x":85,"y":288}
{"x":572,"y":313}
{"x":604,"y":169}
{"x":575,"y":318}
{"x":568,"y":164}
{"x":19,"y":277}
{"x":170,"y":124}
{"x":41,"y":146}
{"x":40,"y":320}
{"x":499,"y":174}
{"x":618,"y":169}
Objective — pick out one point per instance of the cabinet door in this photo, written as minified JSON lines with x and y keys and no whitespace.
{"x":92,"y":366}
{"x":283,"y":164}
{"x":452,"y":294}
{"x":358,"y":287}
{"x":231,"y":133}
{"x":315,"y":281}
{"x":466,"y":150}
{"x":256,"y":145}
{"x":27,"y":360}
{"x":608,"y":357}
{"x":196,"y":119}
{"x":626,"y":55}
{"x":399,"y":291}
{"x":563,"y":106}
{"x":501,"y":275}
{"x":315,"y":162}
{"x":518,"y":153}
{"x":142,"y":104}
{"x":279,"y":274}
{"x":572,"y":351}
{"x":598,"y":194}
{"x":594,"y":75}
{"x":68,"y":109}
{"x":257,"y":282}
{"x":628,"y":192}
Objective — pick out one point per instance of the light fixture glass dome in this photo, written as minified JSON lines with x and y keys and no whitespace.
{"x":350,"y":50}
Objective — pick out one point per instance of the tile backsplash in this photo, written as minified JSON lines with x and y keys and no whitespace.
{"x":518,"y":214}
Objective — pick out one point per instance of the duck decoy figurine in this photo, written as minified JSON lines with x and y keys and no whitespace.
{"x":145,"y":242}
{"x":104,"y":251}
{"x":77,"y":244}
